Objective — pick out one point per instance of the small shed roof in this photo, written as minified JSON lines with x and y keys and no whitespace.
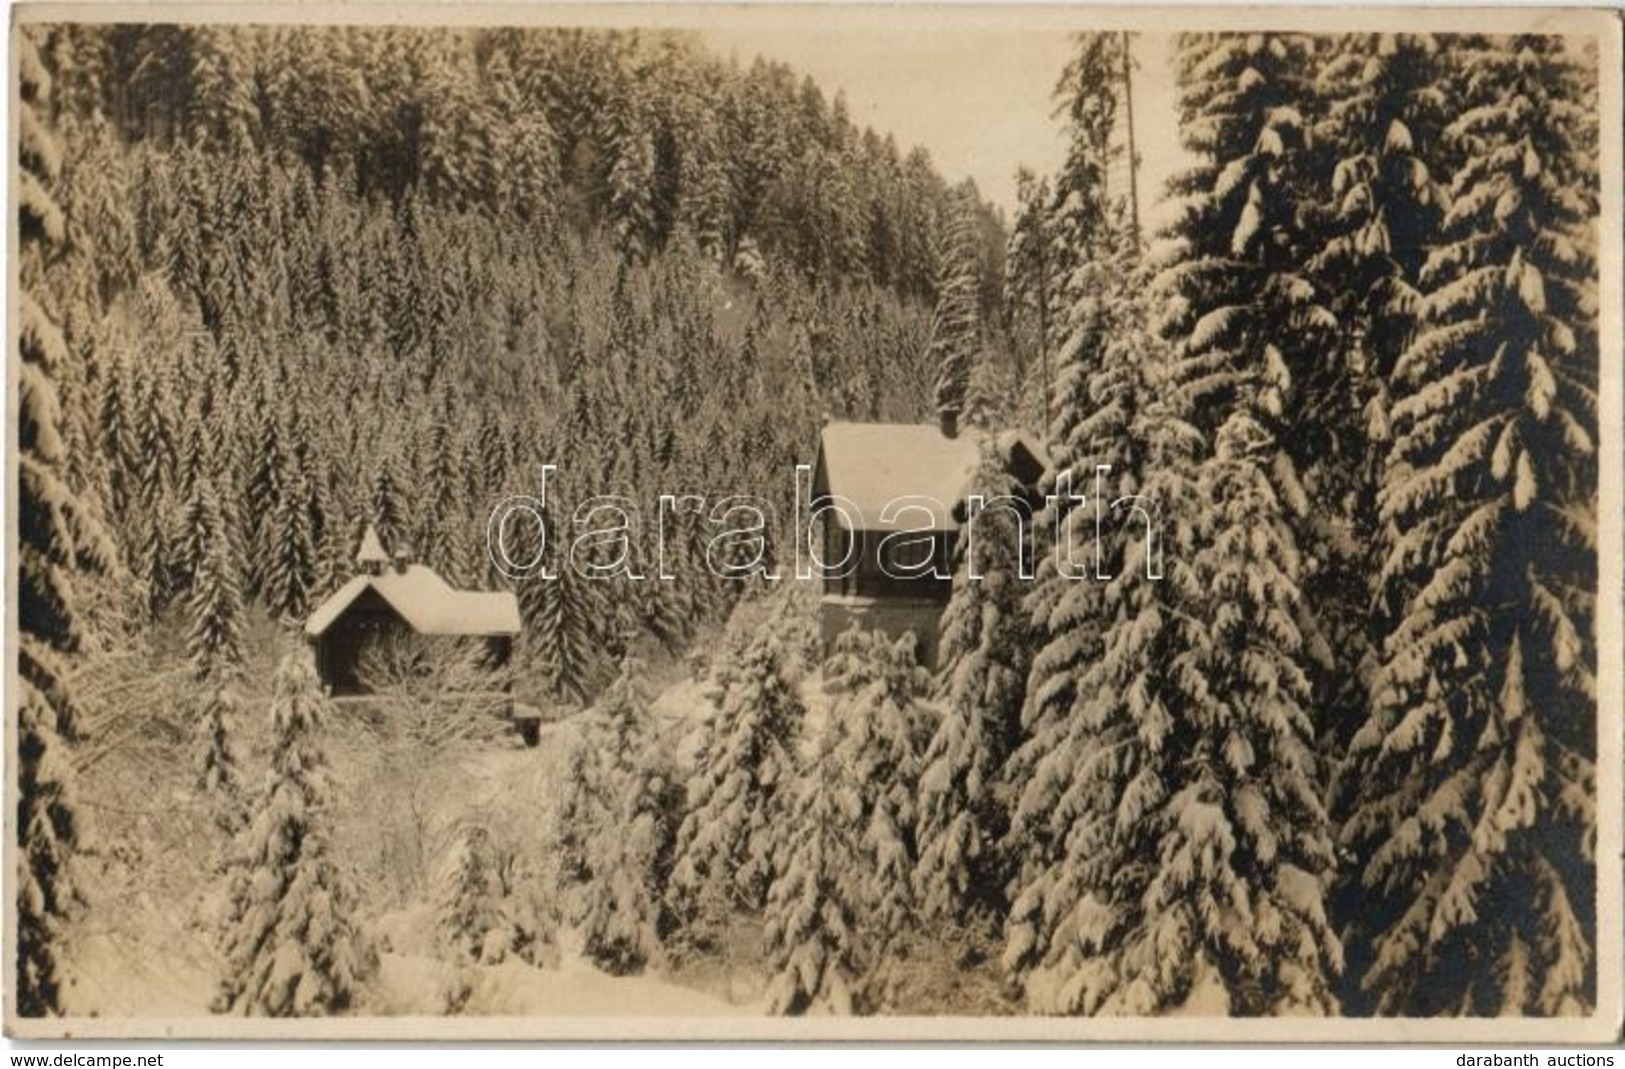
{"x":873,"y":465}
{"x":428,"y":604}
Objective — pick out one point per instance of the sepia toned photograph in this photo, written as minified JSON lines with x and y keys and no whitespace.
{"x":940,"y":523}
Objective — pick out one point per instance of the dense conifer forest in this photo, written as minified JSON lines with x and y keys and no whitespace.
{"x":281,"y":284}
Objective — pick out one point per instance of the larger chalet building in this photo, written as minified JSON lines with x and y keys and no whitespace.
{"x":866,"y":467}
{"x":392,"y":599}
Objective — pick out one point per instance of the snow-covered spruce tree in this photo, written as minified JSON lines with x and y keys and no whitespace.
{"x":155,"y":441}
{"x":738,"y":799}
{"x":526,"y":151}
{"x":664,"y":611}
{"x":57,"y":538}
{"x":1475,"y":768}
{"x":575,"y":828}
{"x":879,"y":684}
{"x":1068,"y":225}
{"x":1092,"y":399}
{"x":627,"y":800}
{"x":470,"y":900}
{"x":116,"y":432}
{"x":265,"y":466}
{"x":1384,"y":100}
{"x":793,"y":617}
{"x":440,"y":536}
{"x":290,"y":944}
{"x":1076,"y":905}
{"x":1243,"y":299}
{"x":1032,"y":267}
{"x":956,"y":324}
{"x":216,"y":761}
{"x":1104,"y":663}
{"x":456,"y":166}
{"x":197,"y":519}
{"x":963,"y":815}
{"x":1378,"y":140}
{"x":1087,"y":98}
{"x":215,"y":649}
{"x":811,"y":926}
{"x":153,"y":565}
{"x":1185,"y":848}
{"x":1096,"y":394}
{"x":562,"y":617}
{"x":1244,"y":306}
{"x":1252,"y":769}
{"x":625,"y":134}
{"x":290,"y":569}
{"x":214,"y":642}
{"x":340,"y":538}
{"x":214,"y":639}
{"x":193,"y":458}
{"x":387,"y":510}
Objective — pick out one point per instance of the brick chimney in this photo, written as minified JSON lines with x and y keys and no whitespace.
{"x":948,"y":421}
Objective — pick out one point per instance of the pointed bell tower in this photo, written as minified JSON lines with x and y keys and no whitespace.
{"x":371,"y":558}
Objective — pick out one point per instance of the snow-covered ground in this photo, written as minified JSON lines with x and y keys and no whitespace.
{"x":413,"y":979}
{"x":407,"y":985}
{"x":121,"y":976}
{"x":145,"y":943}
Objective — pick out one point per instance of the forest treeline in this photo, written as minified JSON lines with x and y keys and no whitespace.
{"x":643,"y":134}
{"x":1339,"y":759}
{"x":307,"y":275}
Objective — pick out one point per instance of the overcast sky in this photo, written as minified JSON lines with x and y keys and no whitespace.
{"x":980,"y":99}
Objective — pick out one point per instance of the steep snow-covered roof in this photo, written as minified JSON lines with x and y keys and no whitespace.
{"x":873,"y":465}
{"x":428,"y":604}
